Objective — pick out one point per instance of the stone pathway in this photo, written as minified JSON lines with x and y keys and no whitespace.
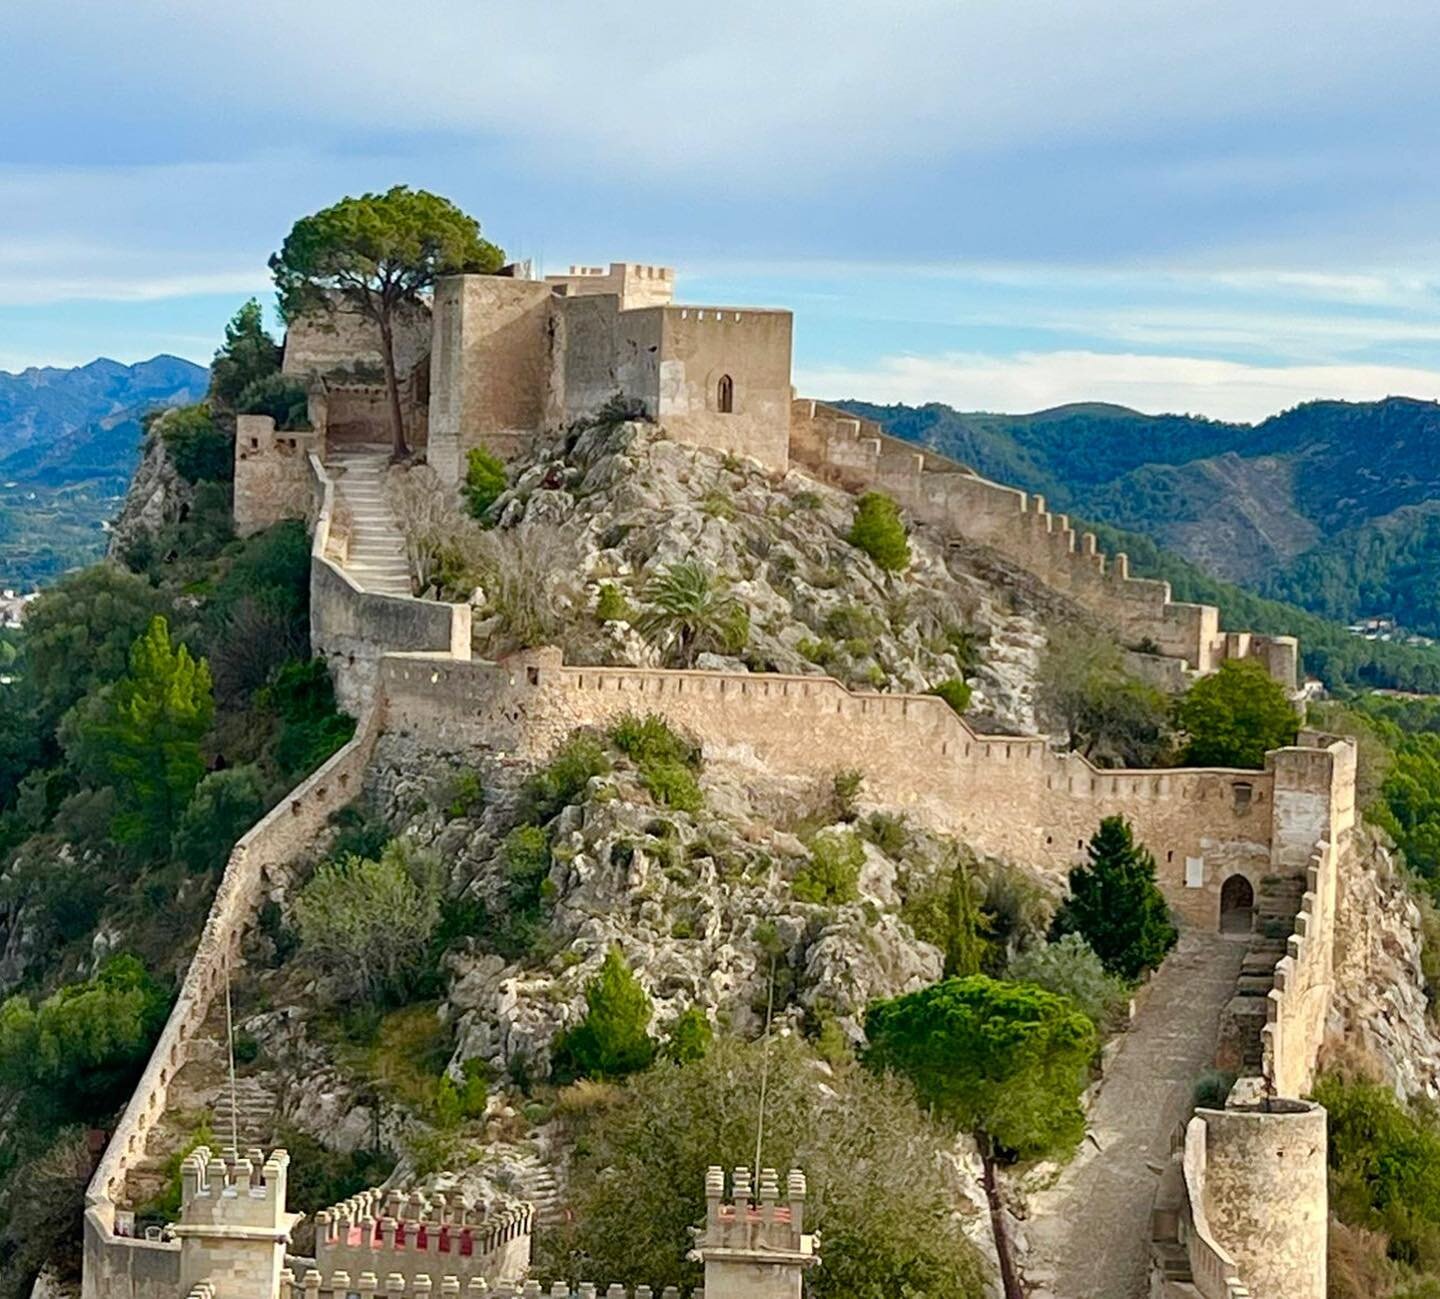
{"x":376,"y":555}
{"x":1089,"y":1234}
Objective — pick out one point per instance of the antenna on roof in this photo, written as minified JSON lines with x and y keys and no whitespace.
{"x":764,"y":1071}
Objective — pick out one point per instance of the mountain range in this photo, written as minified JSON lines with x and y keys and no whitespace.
{"x":69,"y":441}
{"x":1333,"y":505}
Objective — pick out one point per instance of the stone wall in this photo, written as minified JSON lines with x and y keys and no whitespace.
{"x":635,"y":285}
{"x":351,"y":628}
{"x":489,"y":367}
{"x":1255,"y":1179}
{"x":347,"y":344}
{"x":602,"y":352}
{"x":945,"y":495}
{"x":1006,"y":795}
{"x":700,"y":347}
{"x":120,"y":1267}
{"x":272,"y":474}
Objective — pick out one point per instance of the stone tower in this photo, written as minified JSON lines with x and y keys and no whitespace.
{"x":754,"y":1249}
{"x":233,"y":1225}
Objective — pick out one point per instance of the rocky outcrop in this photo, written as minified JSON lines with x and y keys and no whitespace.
{"x":1379,"y":1003}
{"x":157,"y":496}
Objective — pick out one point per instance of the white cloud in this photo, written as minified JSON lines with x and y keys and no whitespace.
{"x":1035,"y":380}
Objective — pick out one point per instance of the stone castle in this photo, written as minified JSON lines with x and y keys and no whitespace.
{"x":500,"y":361}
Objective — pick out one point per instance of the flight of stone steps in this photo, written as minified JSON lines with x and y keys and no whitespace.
{"x":535,"y":1181}
{"x":1276,"y":907}
{"x":199,"y":1099}
{"x":376,"y":555}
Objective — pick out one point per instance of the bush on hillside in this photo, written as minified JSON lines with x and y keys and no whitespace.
{"x":879,"y":531}
{"x":1069,"y":968}
{"x":614,"y":1037}
{"x":832,"y":875}
{"x":563,"y":779}
{"x":954,"y":692}
{"x":224,"y":806}
{"x":279,"y":396}
{"x":370,"y":923}
{"x":199,"y":450}
{"x":484,"y":481}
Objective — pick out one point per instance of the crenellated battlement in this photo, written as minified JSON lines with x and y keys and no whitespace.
{"x":414,"y":1234}
{"x":754,"y":1217}
{"x":342,"y":1285}
{"x":856,"y":454}
{"x":237,"y":1190}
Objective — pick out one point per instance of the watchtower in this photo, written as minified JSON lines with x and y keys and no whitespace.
{"x":233,"y":1225}
{"x":754,"y":1249}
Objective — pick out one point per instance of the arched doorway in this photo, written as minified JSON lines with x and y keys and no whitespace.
{"x":1237,"y":905}
{"x":725,"y":395}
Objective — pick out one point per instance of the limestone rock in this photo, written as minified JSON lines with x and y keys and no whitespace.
{"x":157,"y":496}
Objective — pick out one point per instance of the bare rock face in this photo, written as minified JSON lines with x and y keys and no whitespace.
{"x":1379,"y":1002}
{"x":157,"y":496}
{"x":618,"y":505}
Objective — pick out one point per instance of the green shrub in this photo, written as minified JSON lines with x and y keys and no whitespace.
{"x":673,"y":785}
{"x":612,"y":606}
{"x":614,"y":1037}
{"x":198,"y":450}
{"x":690,"y":1036}
{"x":279,"y":396}
{"x":223,"y":807}
{"x":527,"y":862}
{"x":947,"y":913}
{"x":889,"y":832}
{"x":879,"y":531}
{"x":465,"y":794}
{"x":563,"y":779}
{"x":832,"y":875}
{"x":311,"y":728}
{"x":484,"y":480}
{"x":954,"y":692}
{"x":319,"y":1178}
{"x":846,"y":788}
{"x":820,"y":652}
{"x":1233,"y":717}
{"x":651,"y":739}
{"x":1068,"y":967}
{"x":371,"y":922}
{"x":1211,"y":1089}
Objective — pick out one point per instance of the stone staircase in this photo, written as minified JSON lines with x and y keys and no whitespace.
{"x":535,"y":1181}
{"x":1240,"y":1049}
{"x":376,"y":554}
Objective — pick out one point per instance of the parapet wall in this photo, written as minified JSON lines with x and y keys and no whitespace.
{"x":1006,"y":795}
{"x":856,"y":454}
{"x":120,"y":1267}
{"x":351,"y":628}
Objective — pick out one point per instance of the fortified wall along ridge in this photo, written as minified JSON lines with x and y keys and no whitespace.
{"x":500,"y":361}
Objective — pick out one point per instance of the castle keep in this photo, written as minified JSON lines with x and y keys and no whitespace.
{"x":499,"y":361}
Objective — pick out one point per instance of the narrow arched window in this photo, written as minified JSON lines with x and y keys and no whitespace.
{"x":725,"y":395}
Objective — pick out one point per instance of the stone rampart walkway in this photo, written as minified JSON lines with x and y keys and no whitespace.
{"x":1089,"y":1233}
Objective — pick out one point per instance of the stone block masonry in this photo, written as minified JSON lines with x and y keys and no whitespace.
{"x":943,"y":494}
{"x":1005,"y":795}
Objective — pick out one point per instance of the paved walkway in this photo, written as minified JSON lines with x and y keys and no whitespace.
{"x":376,"y":556}
{"x":1089,"y":1233}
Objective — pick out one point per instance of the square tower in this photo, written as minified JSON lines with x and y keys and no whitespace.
{"x":754,"y":1248}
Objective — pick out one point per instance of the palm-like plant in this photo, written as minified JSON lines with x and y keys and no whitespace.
{"x":688,"y":611}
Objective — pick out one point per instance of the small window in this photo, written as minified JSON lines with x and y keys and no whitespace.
{"x":725,"y":395}
{"x":1244,"y":792}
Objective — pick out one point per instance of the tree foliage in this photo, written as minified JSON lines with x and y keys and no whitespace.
{"x":1232,"y":717}
{"x":79,"y":632}
{"x":1115,"y":904}
{"x":224,"y":806}
{"x":199,"y":449}
{"x":141,"y":737}
{"x":689,"y":611}
{"x":372,"y":256}
{"x":637,"y":1180}
{"x":371,"y":921}
{"x":78,"y":1052}
{"x":1069,"y":968}
{"x":1113,"y":718}
{"x":949,"y":914}
{"x":879,"y":531}
{"x":248,"y":355}
{"x":614,"y":1038}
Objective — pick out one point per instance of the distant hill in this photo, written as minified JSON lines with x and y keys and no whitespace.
{"x":69,"y":441}
{"x":1331,"y":505}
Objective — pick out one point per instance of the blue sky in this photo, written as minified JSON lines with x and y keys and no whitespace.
{"x":1221,"y":207}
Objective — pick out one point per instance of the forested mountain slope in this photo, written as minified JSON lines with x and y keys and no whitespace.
{"x":1326,"y":505}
